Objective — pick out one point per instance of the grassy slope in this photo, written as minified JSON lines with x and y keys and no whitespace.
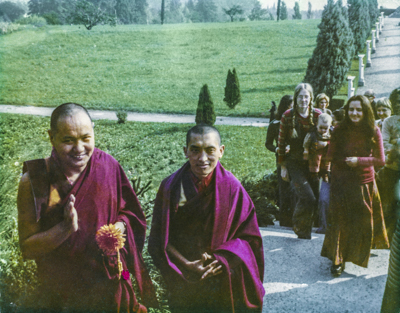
{"x":155,"y":68}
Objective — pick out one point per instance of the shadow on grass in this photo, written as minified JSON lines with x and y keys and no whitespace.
{"x":287,"y":71}
{"x":269,"y":89}
{"x":295,"y":57}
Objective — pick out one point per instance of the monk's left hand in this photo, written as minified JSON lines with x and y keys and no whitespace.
{"x":352,"y":161}
{"x":212,"y":269}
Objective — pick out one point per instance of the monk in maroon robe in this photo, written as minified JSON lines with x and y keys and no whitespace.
{"x":63,"y":200}
{"x":204,"y":235}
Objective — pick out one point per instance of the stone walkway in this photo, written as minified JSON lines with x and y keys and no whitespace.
{"x":384,"y":74}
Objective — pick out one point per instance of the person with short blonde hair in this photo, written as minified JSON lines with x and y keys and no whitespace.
{"x":384,"y":110}
{"x":322,"y":103}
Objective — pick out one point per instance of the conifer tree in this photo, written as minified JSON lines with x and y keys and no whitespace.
{"x":232,"y":89}
{"x":297,"y":14}
{"x":309,"y":12}
{"x":205,"y":113}
{"x":331,"y":59}
{"x":283,"y":11}
{"x":373,"y":11}
{"x":359,"y":21}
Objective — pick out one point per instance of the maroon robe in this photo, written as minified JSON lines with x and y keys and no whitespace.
{"x":77,"y":276}
{"x":220,"y":220}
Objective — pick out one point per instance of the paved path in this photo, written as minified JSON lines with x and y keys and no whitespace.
{"x":298,"y":279}
{"x":140,"y":117}
{"x":384,"y":74}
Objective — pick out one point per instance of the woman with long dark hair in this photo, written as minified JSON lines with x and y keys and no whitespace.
{"x":271,"y":143}
{"x":355,"y":218}
{"x":295,"y":124}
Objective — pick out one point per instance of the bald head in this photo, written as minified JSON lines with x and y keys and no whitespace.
{"x":369,"y":93}
{"x":64,"y":110}
{"x":202,"y":129}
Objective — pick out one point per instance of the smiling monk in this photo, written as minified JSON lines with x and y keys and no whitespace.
{"x":63,"y":200}
{"x":204,"y":236}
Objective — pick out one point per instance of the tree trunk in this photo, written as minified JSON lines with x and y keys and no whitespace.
{"x":278,"y":11}
{"x":162,"y":11}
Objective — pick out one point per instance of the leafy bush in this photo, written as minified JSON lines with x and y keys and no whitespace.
{"x":122,"y":116}
{"x":34,"y":20}
{"x":18,"y":277}
{"x":52,"y":18}
{"x":263,"y":192}
{"x":7,"y":28}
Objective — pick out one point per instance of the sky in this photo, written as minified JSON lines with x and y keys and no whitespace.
{"x":319,"y":4}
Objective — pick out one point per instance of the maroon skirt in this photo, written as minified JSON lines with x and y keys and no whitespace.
{"x":355,"y":223}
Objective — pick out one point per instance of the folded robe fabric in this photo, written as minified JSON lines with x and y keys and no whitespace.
{"x":235,"y":237}
{"x":77,"y":275}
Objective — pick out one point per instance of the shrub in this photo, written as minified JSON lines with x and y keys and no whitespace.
{"x":359,"y":21}
{"x":263,"y":192}
{"x":18,"y":277}
{"x":34,"y":20}
{"x":205,"y":113}
{"x":7,"y":28}
{"x":122,"y":116}
{"x":232,"y":89}
{"x":52,"y":18}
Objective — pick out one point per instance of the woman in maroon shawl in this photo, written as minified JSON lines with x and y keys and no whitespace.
{"x":355,"y":218}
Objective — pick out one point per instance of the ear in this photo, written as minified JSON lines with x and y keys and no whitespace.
{"x":185,"y":151}
{"x":51,"y":136}
{"x":221,"y":151}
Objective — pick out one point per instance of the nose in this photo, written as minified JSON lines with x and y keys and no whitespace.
{"x":203,"y":156}
{"x":79,"y":147}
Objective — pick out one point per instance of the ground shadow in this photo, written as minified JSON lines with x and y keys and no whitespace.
{"x":269,"y":89}
{"x":387,"y":56}
{"x":307,"y":56}
{"x":397,"y":71}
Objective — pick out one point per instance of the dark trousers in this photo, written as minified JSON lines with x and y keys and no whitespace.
{"x":286,"y":201}
{"x":306,"y":189}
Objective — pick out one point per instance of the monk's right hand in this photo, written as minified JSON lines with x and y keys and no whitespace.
{"x":284,"y":173}
{"x":70,"y":214}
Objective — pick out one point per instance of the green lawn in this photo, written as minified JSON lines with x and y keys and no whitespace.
{"x":155,"y":68}
{"x":151,"y":151}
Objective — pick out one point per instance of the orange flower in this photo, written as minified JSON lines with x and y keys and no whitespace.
{"x":110,"y":239}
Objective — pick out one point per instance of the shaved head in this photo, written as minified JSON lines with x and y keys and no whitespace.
{"x":202,"y":129}
{"x":63,"y":110}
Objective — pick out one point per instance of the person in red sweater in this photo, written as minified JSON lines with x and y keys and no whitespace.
{"x":355,"y":218}
{"x":295,"y":124}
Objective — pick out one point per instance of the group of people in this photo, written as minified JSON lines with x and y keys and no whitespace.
{"x":337,"y":171}
{"x":204,"y":236}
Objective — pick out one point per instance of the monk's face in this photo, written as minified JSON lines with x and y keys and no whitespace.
{"x":203,"y":152}
{"x":73,"y":141}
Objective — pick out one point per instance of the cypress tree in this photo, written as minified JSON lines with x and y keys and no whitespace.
{"x":309,"y":12}
{"x":359,"y":21}
{"x":232,"y":89}
{"x":297,"y":14}
{"x":205,"y":113}
{"x":373,"y":11}
{"x":283,"y":11}
{"x":331,"y":59}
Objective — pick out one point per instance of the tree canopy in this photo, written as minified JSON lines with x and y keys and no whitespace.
{"x":331,"y":59}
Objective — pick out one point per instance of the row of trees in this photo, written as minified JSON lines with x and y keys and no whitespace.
{"x":342,"y":35}
{"x":139,"y":11}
